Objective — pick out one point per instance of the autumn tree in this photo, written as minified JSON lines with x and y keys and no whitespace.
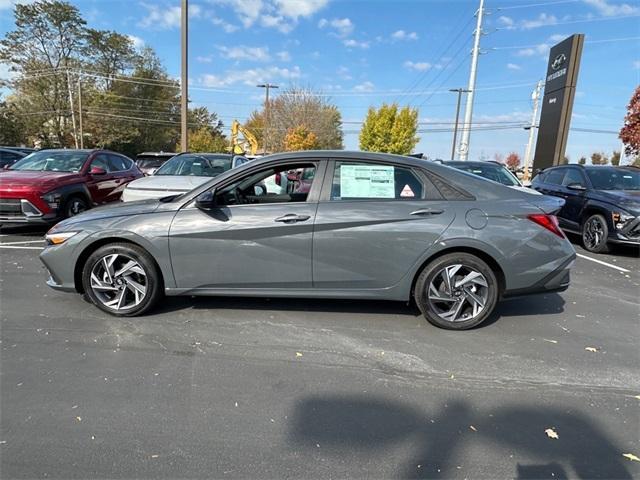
{"x":630,"y":132}
{"x":512,"y":161}
{"x":582,"y":161}
{"x":390,"y":129}
{"x":300,"y":138}
{"x":202,"y":140}
{"x":598,"y":158}
{"x":11,"y":127}
{"x":615,"y":158}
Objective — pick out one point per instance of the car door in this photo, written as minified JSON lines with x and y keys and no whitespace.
{"x":258,"y":237}
{"x":574,"y":199}
{"x":374,"y":222}
{"x":123,"y":172}
{"x":101,"y":185}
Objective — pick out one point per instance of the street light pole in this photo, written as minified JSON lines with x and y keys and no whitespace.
{"x":267,"y":121}
{"x":535,"y":96}
{"x":184,"y":106}
{"x":455,"y":128}
{"x":80,"y":111}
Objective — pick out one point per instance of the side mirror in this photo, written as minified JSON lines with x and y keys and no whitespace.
{"x":97,"y":171}
{"x":578,"y":187}
{"x":206,"y":200}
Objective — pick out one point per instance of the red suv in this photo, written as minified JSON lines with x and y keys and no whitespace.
{"x":49,"y":185}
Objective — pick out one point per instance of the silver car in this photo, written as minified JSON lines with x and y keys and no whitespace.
{"x":360,"y":225}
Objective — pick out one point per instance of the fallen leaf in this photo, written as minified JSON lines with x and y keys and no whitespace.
{"x":637,"y":396}
{"x":155,"y":456}
{"x":550,"y":341}
{"x":591,"y":349}
{"x":631,"y":457}
{"x":236,"y":404}
{"x":473,"y":428}
{"x":551,"y":433}
{"x":452,"y":376}
{"x":79,"y":419}
{"x":298,"y":354}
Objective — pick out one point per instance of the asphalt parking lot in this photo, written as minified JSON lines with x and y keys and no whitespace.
{"x":258,"y":388}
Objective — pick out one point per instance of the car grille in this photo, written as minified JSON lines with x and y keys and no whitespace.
{"x":10,"y":207}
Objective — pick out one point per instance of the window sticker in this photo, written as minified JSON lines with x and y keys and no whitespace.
{"x":407,"y":192}
{"x":367,"y":181}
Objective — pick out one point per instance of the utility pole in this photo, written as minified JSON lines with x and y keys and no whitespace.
{"x":80,"y":111}
{"x":468,"y":113}
{"x":267,"y":121}
{"x":73,"y":114}
{"x":535,"y":96}
{"x":184,"y":79}
{"x":455,"y":128}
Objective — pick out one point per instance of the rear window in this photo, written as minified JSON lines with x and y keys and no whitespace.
{"x":496,"y":173}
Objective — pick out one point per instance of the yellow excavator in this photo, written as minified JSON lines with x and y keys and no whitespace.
{"x":247,"y":144}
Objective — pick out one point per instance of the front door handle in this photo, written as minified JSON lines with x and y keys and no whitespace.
{"x":292,"y":218}
{"x":427,"y":211}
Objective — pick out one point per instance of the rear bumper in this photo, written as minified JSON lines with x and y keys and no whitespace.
{"x":556,"y":281}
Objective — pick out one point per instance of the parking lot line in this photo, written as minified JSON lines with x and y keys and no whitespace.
{"x":20,"y":247}
{"x":603,"y":263}
{"x":19,"y":243}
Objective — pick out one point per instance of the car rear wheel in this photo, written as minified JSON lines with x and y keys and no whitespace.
{"x":457,"y":291}
{"x":74,"y":206}
{"x":122,"y":279}
{"x":595,"y":233}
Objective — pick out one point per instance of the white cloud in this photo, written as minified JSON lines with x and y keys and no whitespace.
{"x":506,"y":23}
{"x":542,"y":49}
{"x":299,"y":8}
{"x":343,"y":26}
{"x":161,"y":18}
{"x":344,"y":73}
{"x":558,"y":37}
{"x":417,"y":66}
{"x":513,"y":66}
{"x":284,"y":56}
{"x":8,"y":4}
{"x":543,"y":20}
{"x":351,"y":43}
{"x":6,"y":73}
{"x":607,"y":9}
{"x":278,"y":22}
{"x":242,"y":52}
{"x":226,"y":26}
{"x":402,"y":35}
{"x":137,"y":42}
{"x":204,"y":59}
{"x":636,"y":64}
{"x":250,"y":76}
{"x":364,"y":87}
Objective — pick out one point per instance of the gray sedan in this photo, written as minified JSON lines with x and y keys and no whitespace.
{"x":323,"y":225}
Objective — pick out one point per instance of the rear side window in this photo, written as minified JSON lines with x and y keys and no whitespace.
{"x":374,"y":181}
{"x":119,"y":163}
{"x":554,"y":177}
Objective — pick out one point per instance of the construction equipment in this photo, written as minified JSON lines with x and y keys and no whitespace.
{"x":247,"y":144}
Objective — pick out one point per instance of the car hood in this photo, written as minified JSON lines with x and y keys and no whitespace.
{"x":111,"y":211}
{"x":627,"y":199}
{"x":168,"y":183}
{"x":12,"y":180}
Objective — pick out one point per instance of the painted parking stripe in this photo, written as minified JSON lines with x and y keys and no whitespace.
{"x":603,"y":263}
{"x":20,"y":243}
{"x":20,"y":247}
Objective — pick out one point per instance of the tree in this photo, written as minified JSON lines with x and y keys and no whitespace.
{"x":615,"y":158}
{"x":11,"y":128}
{"x":390,"y":130}
{"x":498,"y":157}
{"x":512,"y":161}
{"x":202,"y":140}
{"x":630,"y":132}
{"x":636,"y":161}
{"x":565,"y":160}
{"x":300,"y":138}
{"x":582,"y":161}
{"x":598,"y":158}
{"x":109,"y":53}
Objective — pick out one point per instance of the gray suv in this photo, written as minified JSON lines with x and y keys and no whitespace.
{"x":362,"y":225}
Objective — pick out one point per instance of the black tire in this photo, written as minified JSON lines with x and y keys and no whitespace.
{"x":430,"y":309}
{"x":153,"y":283}
{"x":74,"y":205}
{"x":595,"y":234}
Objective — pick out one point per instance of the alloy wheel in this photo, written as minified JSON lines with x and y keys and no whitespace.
{"x":119,"y":282}
{"x":593,"y":233}
{"x":458,"y":293}
{"x":76,"y":206}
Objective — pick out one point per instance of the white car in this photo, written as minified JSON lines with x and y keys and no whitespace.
{"x":181,"y":174}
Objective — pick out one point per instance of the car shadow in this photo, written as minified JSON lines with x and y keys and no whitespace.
{"x":352,"y":424}
{"x":620,"y":250}
{"x":24,"y":230}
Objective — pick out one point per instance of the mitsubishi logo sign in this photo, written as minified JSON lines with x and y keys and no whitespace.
{"x":559,"y":61}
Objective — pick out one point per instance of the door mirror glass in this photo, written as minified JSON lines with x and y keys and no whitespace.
{"x":206,"y":200}
{"x":97,"y":171}
{"x":576,"y":186}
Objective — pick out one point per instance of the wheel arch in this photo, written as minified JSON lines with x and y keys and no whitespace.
{"x":592,"y":209}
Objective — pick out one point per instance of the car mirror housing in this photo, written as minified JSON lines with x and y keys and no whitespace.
{"x":206,"y":200}
{"x":577,"y":187}
{"x":97,"y":171}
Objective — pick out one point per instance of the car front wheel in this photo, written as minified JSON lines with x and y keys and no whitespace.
{"x":74,"y":206}
{"x":457,"y":291}
{"x":122,"y":279}
{"x":595,"y":233}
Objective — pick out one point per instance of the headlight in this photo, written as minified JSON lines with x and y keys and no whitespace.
{"x":58,"y":238}
{"x":620,"y":219}
{"x":52,"y":199}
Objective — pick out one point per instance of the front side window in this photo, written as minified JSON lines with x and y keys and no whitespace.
{"x":52,"y":161}
{"x":554,"y":177}
{"x":374,"y":181}
{"x":101,"y":161}
{"x":196,"y":165}
{"x":285,"y":183}
{"x":572,"y":177}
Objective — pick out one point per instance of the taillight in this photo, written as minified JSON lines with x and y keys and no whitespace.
{"x":550,"y":222}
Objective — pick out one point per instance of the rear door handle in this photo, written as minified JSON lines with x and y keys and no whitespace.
{"x":427,"y":211}
{"x":292,"y":218}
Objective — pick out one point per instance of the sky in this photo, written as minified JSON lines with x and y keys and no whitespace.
{"x":361,"y":53}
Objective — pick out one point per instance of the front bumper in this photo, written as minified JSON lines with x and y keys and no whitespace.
{"x":23,"y":212}
{"x":629,"y":234}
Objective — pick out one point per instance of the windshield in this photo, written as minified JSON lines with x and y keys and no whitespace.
{"x":197,"y":165}
{"x":614,"y":178}
{"x":52,"y":161}
{"x":492,"y":172}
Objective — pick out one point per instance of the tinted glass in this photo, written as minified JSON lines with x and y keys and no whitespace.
{"x":614,"y":178}
{"x":119,"y":163}
{"x":154,"y":163}
{"x":52,"y":161}
{"x":374,"y":181}
{"x":197,"y":165}
{"x":490,"y":171}
{"x":573,"y":176}
{"x":555,"y":177}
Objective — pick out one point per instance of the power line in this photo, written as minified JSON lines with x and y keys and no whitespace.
{"x":545,"y":4}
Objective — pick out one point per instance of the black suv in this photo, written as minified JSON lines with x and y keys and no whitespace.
{"x":602,"y":203}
